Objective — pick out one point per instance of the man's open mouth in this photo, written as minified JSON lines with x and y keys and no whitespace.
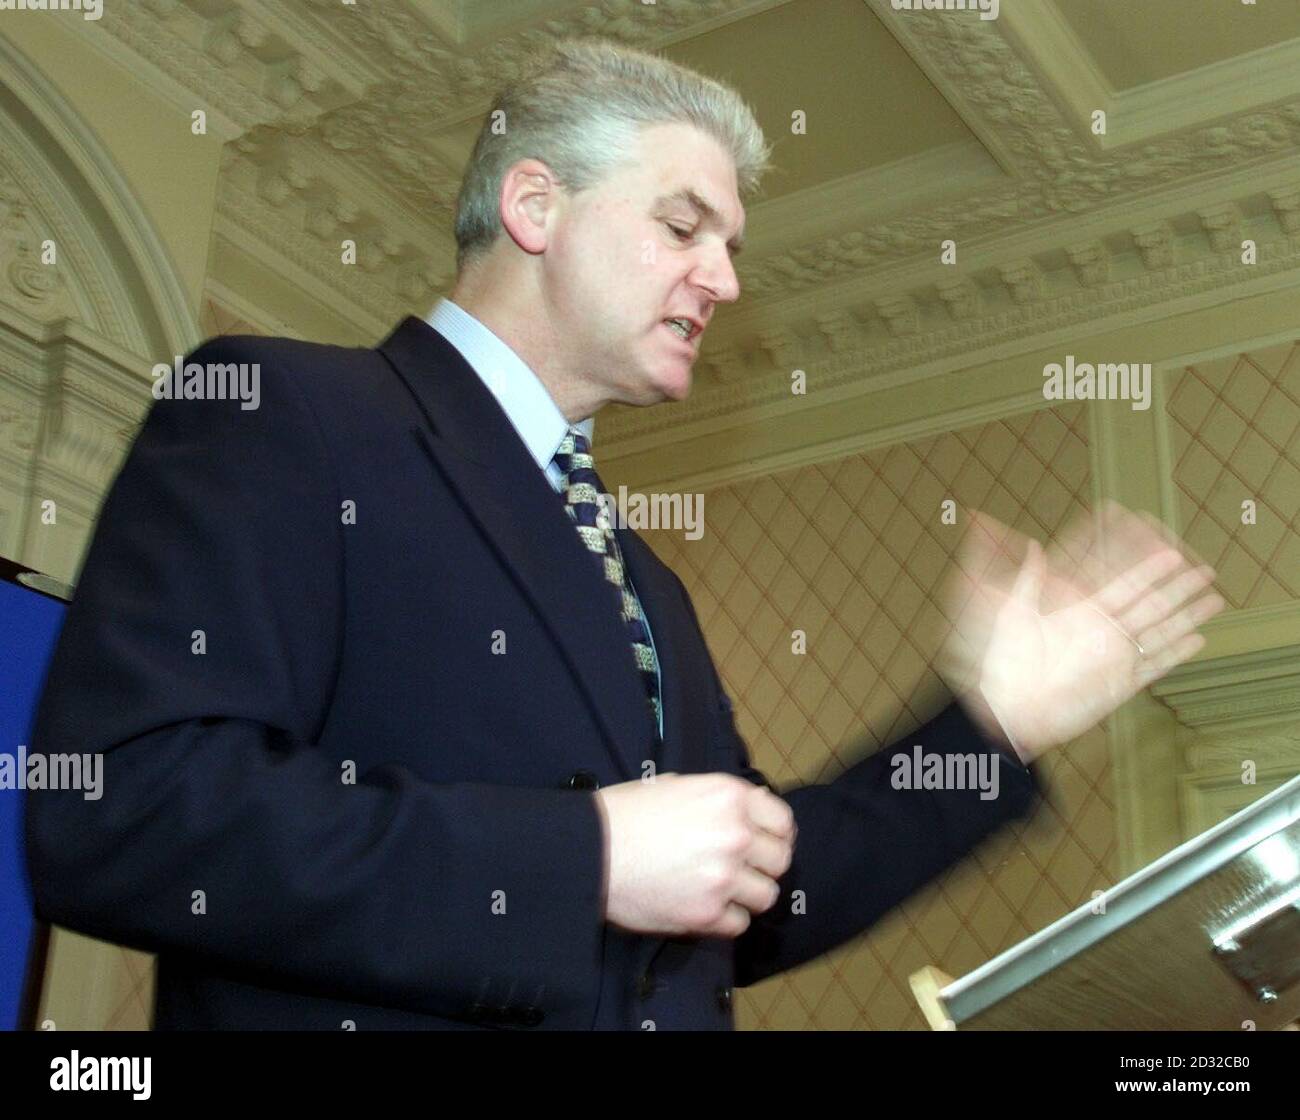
{"x":685,"y":329}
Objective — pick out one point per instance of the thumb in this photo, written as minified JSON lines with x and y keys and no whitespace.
{"x":1028,"y":588}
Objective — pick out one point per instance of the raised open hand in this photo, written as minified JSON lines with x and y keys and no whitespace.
{"x":1055,"y":645}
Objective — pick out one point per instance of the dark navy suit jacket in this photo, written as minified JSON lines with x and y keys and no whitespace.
{"x":457,"y":881}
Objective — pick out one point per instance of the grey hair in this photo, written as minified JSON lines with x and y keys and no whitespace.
{"x":580,"y":111}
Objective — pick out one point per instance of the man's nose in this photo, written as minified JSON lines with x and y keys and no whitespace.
{"x":717,"y":275}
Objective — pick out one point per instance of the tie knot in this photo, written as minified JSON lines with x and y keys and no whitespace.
{"x":574,"y":452}
{"x":578,"y":444}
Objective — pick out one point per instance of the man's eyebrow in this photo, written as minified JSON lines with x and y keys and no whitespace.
{"x":701,"y":205}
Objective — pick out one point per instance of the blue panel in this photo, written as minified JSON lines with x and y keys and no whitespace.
{"x":29,"y":625}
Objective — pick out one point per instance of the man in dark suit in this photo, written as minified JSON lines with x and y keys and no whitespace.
{"x":400,"y":732}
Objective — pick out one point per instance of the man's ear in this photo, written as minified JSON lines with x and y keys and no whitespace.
{"x":529,"y":191}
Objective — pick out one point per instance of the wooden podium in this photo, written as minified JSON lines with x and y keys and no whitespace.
{"x":1205,"y":938}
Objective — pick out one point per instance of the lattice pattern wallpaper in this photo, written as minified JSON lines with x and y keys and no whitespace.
{"x":134,"y":1011}
{"x":1234,"y":427}
{"x":852,"y":552}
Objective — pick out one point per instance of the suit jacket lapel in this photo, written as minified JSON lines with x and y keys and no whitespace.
{"x":471,"y":442}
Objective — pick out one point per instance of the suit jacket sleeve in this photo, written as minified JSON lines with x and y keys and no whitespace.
{"x":864,"y":846}
{"x":228,"y":521}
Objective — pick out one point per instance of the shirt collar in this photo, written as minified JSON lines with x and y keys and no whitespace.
{"x":522,"y":396}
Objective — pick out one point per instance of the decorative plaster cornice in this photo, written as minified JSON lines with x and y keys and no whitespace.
{"x":428,"y":84}
{"x":18,"y":426}
{"x":245,"y":65}
{"x":354,"y":159}
{"x":1225,"y":751}
{"x":135,"y":298}
{"x":1053,"y":171}
{"x":316,"y":265}
{"x":1244,"y":690}
{"x":1016,"y":303}
{"x":71,"y":398}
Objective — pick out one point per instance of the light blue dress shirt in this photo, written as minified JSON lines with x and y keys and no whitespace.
{"x":525,"y":400}
{"x":518,"y":390}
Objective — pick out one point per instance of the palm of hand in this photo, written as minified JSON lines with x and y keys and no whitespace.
{"x":1058,"y":674}
{"x":1051,"y":674}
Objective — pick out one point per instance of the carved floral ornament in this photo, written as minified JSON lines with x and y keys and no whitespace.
{"x":18,"y":428}
{"x":24,"y":274}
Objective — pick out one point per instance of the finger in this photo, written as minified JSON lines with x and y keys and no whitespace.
{"x":1153,"y":669}
{"x":1098,"y":547}
{"x":1167,"y":599}
{"x":1080,"y":558}
{"x":1117,"y":596}
{"x":1184,"y":622}
{"x":1166,"y":536}
{"x":734,"y":921}
{"x":1095,"y":548}
{"x":770,"y":813}
{"x":1137,"y":536}
{"x":755,"y":891}
{"x":769,"y":854}
{"x":1137,"y":529}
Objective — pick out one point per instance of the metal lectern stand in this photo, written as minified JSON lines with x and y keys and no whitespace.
{"x":1205,"y":938}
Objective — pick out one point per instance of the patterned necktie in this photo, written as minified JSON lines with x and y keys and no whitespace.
{"x":580,"y":487}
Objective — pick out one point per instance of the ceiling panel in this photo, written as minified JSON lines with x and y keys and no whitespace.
{"x":867,"y":102}
{"x":1136,"y":43}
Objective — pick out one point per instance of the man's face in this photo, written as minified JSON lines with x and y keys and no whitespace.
{"x":637,"y":249}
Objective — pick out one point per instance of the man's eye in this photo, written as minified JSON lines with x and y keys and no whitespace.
{"x":680,"y":232}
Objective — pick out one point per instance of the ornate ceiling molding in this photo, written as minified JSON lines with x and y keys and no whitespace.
{"x":70,"y":398}
{"x":1052,"y":170}
{"x":430,"y":84}
{"x":365,"y":168}
{"x":851,"y":289}
{"x":1224,"y":751}
{"x":881,"y":341}
{"x":113,"y":272}
{"x":1246,"y":690}
{"x":246,"y":64}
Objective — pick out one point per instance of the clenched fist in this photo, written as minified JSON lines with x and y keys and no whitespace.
{"x":693,"y":854}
